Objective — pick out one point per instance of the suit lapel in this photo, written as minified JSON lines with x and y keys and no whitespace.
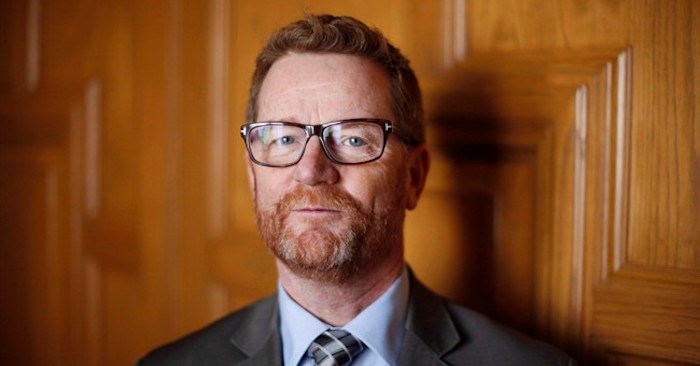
{"x":258,"y":340}
{"x":430,"y":332}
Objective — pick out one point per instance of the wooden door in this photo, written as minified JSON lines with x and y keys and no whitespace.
{"x":573,"y":126}
{"x":84,"y":168}
{"x":563,"y":198}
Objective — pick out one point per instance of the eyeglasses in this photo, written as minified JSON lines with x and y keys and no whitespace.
{"x":350,"y":141}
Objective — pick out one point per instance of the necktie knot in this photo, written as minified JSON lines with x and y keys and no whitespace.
{"x":335,"y":347}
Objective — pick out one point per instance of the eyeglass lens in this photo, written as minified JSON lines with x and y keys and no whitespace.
{"x":346,"y":142}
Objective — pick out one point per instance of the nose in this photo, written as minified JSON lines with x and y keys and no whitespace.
{"x":315,"y":167}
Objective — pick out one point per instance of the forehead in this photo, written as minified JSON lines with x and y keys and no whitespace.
{"x":314,"y":88}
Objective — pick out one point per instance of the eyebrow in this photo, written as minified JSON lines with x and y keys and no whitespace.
{"x":297,"y":120}
{"x":286,"y":119}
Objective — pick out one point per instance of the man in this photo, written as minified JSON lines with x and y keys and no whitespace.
{"x":336,"y":155}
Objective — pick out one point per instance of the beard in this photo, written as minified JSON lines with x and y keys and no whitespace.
{"x":325,"y":248}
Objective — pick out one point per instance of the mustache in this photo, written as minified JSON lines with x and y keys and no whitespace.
{"x":321,"y":196}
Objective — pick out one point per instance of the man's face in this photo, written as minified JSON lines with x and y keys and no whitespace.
{"x":325,"y":220}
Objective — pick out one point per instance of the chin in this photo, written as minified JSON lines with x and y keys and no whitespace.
{"x":322,"y":256}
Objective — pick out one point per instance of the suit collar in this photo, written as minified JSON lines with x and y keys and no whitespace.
{"x":258,"y":338}
{"x":430,"y":331}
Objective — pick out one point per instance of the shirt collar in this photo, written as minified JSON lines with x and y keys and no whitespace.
{"x":298,"y":328}
{"x":380,"y":326}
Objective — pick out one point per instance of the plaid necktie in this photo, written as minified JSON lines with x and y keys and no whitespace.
{"x":335,"y":347}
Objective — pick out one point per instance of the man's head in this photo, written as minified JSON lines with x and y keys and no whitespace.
{"x":327,"y":34}
{"x":326,"y":220}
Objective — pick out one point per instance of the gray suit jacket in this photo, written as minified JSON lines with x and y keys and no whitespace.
{"x":437,"y":333}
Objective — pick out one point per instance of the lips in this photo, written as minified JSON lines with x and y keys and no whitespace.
{"x":313,"y":209}
{"x":316,"y":210}
{"x":319,"y":202}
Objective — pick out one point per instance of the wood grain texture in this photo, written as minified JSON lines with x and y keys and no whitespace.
{"x":640,"y":212}
{"x":541,"y":105}
{"x":665,"y":204}
{"x":647,"y":318}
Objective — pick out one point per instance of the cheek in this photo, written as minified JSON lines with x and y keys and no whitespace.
{"x":378,"y":187}
{"x":269,"y":188}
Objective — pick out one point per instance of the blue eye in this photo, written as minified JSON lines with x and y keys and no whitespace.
{"x":285,"y":140}
{"x":355,"y":141}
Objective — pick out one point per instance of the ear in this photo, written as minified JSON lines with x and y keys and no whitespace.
{"x":418,"y":166}
{"x":251,"y":176}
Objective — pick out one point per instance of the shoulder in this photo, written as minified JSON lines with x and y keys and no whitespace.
{"x":472,"y":338}
{"x":497,"y":343}
{"x":215,"y":342}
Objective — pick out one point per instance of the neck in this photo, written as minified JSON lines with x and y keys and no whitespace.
{"x":337,"y":304}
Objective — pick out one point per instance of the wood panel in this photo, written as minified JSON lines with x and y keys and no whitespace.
{"x":532,"y":109}
{"x":664,"y":231}
{"x":637,"y":163}
{"x":37,"y":226}
{"x":70,"y":156}
{"x":29,"y":201}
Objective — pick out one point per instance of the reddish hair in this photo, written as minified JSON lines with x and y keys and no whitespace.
{"x":348,"y":36}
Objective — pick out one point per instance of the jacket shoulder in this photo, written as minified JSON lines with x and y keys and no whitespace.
{"x":213,"y":344}
{"x":460,"y":336}
{"x":497,"y":344}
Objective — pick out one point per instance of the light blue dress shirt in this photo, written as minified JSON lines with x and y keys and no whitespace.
{"x":380,"y":327}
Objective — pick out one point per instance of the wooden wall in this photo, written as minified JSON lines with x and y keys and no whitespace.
{"x":563,"y":200}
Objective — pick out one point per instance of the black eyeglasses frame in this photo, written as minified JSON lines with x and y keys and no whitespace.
{"x":311,"y":130}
